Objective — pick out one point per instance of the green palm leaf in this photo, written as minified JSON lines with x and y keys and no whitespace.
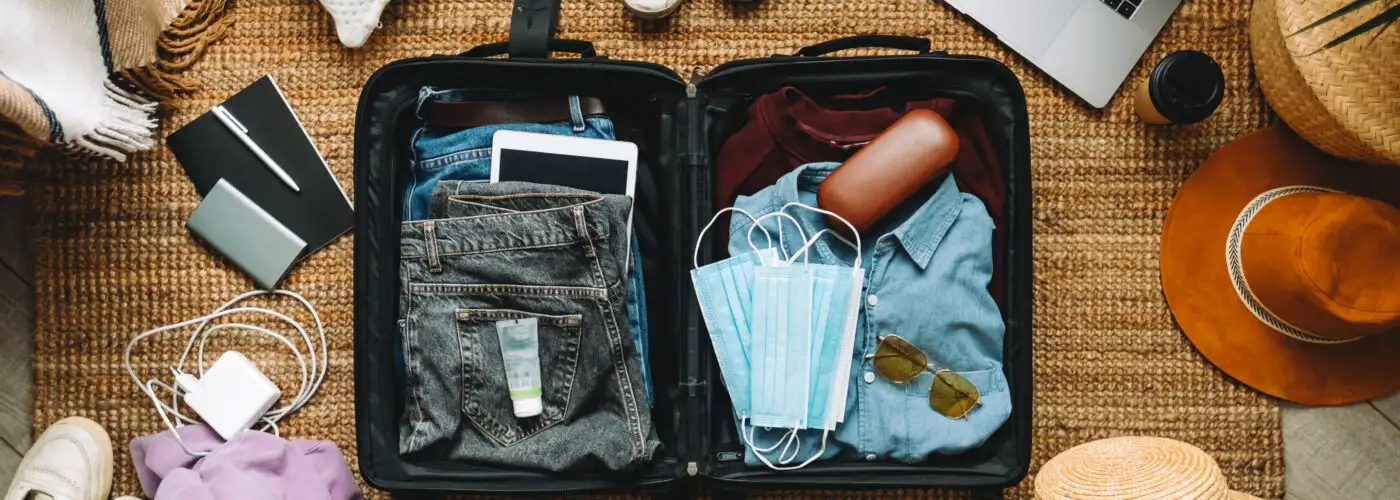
{"x":1381,"y":21}
{"x":1346,"y":9}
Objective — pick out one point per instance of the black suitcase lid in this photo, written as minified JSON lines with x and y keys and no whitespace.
{"x":389,"y":92}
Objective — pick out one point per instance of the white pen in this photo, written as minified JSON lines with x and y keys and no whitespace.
{"x":242,"y":133}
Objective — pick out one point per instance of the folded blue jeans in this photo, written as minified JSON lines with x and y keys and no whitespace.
{"x":442,"y":153}
{"x":509,"y":251}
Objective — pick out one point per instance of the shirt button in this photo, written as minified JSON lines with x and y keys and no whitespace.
{"x":869,"y":377}
{"x":871,"y":457}
{"x":872,"y":300}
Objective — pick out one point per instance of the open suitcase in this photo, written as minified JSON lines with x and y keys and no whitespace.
{"x":679,"y":128}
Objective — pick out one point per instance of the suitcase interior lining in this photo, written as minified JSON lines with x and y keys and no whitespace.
{"x":726,"y":111}
{"x":678,"y":140}
{"x":636,"y":117}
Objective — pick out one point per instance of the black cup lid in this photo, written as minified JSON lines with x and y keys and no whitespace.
{"x":1187,"y":86}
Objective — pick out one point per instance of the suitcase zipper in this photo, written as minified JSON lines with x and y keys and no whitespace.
{"x":694,"y":156}
{"x":693,"y":160}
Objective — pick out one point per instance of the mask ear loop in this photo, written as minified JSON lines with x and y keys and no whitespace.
{"x":748,"y":439}
{"x":834,"y":234}
{"x":809,"y":460}
{"x":790,"y":438}
{"x":758,"y":223}
{"x":813,"y":240}
{"x":701,"y":237}
{"x":843,"y":220}
{"x":795,"y":449}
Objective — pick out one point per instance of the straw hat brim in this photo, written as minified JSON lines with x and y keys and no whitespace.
{"x":1198,"y":289}
{"x":1132,"y":467}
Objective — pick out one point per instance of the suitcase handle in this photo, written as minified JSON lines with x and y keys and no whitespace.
{"x":920,"y":45}
{"x":583,"y":48}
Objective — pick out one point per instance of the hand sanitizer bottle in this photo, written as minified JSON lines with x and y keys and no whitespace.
{"x":520,"y":348}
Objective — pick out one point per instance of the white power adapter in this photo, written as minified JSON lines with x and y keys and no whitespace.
{"x":232,"y":395}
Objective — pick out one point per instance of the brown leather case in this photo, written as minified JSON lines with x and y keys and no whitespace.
{"x":905,"y":157}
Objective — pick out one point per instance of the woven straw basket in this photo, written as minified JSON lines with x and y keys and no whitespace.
{"x":1133,"y":468}
{"x":1346,"y":99}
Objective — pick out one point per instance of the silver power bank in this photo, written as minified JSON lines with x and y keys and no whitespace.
{"x":247,"y":235}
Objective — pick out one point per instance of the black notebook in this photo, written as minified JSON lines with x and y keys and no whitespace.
{"x":209,"y":151}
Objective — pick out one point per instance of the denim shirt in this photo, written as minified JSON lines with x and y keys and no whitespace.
{"x":926,"y":272}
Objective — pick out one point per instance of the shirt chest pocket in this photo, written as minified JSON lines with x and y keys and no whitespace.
{"x":929,"y":432}
{"x":485,"y":393}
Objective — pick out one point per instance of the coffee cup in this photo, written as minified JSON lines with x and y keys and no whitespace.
{"x":1186,"y":87}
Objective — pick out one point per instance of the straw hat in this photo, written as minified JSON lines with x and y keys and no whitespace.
{"x":1133,"y":467}
{"x":1343,"y":99}
{"x":1282,"y":266}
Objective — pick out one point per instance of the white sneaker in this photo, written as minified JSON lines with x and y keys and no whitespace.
{"x":653,"y":9}
{"x":72,"y":460}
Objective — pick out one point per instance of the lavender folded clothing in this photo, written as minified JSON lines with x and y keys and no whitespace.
{"x":251,"y":465}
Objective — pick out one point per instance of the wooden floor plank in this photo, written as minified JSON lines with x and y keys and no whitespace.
{"x":1339,"y":452}
{"x":16,"y":373}
{"x":14,"y":237}
{"x":9,"y":461}
{"x":1389,"y":406}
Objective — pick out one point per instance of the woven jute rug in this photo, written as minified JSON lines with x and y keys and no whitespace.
{"x":114,"y":258}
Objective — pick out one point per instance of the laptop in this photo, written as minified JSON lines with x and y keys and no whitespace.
{"x":1088,"y":46}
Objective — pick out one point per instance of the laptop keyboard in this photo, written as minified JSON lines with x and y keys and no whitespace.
{"x":1124,"y":8}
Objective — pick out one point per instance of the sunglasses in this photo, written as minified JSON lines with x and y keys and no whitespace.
{"x":900,"y":361}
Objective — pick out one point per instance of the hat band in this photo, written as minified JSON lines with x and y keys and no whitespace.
{"x":1232,"y":261}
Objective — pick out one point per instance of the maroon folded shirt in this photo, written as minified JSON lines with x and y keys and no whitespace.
{"x":787,"y":129}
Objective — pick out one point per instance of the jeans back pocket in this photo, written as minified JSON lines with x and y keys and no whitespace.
{"x":485,"y":393}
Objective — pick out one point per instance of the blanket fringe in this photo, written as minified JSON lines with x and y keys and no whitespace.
{"x":181,"y":44}
{"x":127,"y":126}
{"x":129,"y":106}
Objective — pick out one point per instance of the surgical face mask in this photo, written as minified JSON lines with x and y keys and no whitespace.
{"x":803,"y":339}
{"x":833,"y":341}
{"x":781,"y":338}
{"x":725,"y":292}
{"x":781,"y":368}
{"x":836,"y":293}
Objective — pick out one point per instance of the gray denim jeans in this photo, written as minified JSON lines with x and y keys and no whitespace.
{"x":518,"y":250}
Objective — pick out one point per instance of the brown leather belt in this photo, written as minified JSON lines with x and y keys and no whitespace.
{"x":470,"y":114}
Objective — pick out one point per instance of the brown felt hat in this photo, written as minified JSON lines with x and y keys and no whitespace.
{"x":1282,"y":265}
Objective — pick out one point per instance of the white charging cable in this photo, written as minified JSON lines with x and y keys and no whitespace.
{"x":312,"y":374}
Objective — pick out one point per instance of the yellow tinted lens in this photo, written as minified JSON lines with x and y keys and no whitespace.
{"x":898,"y":360}
{"x":952,"y":395}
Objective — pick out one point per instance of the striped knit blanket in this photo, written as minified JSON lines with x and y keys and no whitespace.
{"x":86,"y":74}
